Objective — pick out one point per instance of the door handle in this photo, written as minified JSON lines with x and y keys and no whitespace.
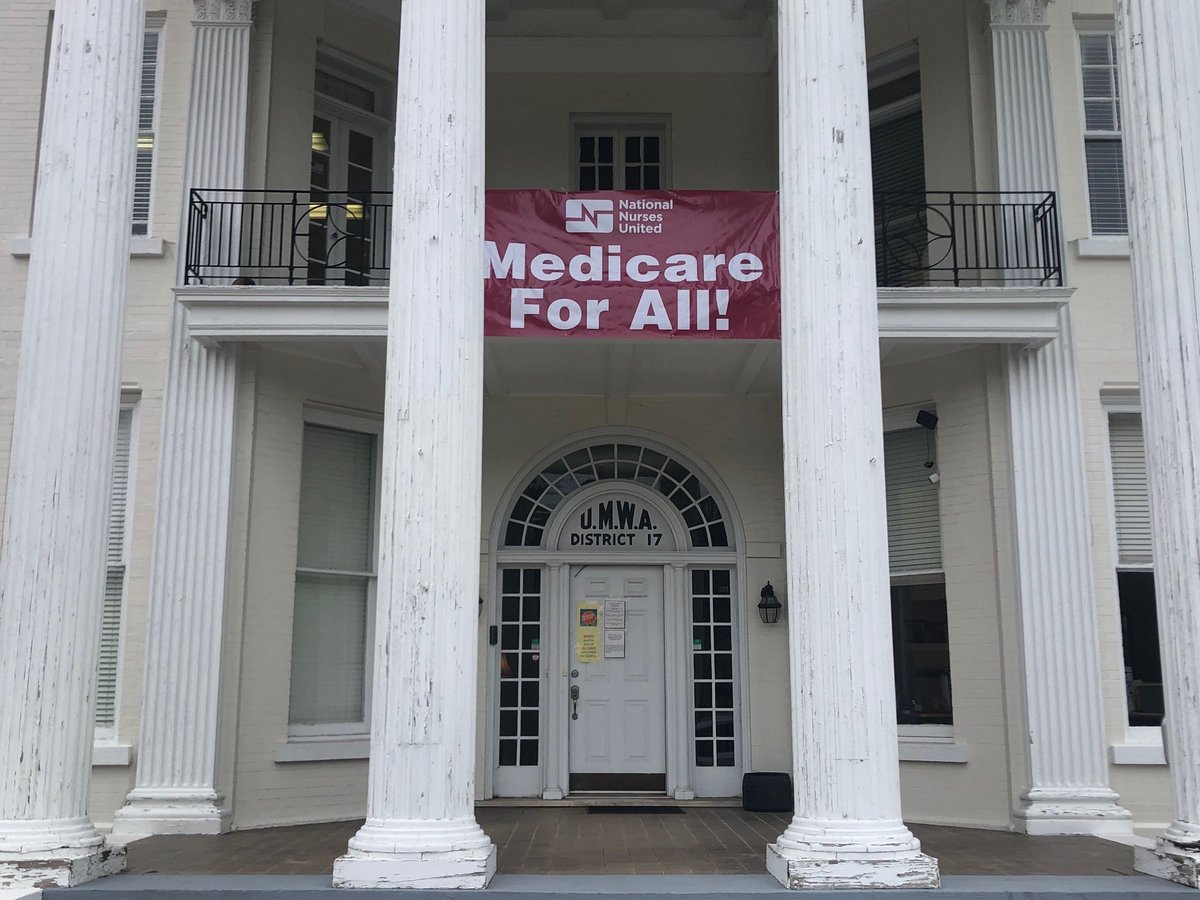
{"x":574,"y":701}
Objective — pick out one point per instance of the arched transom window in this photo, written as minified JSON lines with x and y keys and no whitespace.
{"x":615,"y":461}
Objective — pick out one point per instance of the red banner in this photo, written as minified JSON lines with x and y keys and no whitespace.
{"x":608,"y":264}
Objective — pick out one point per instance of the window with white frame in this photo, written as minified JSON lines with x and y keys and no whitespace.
{"x":335,"y":577}
{"x":619,"y":155}
{"x":920,"y":628}
{"x":1102,"y":133}
{"x":143,"y":180}
{"x":114,"y":579}
{"x":1135,"y":570}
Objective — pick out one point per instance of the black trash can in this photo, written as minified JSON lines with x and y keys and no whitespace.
{"x":767,"y":792}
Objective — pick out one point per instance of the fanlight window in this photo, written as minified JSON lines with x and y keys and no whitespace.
{"x":616,"y":462}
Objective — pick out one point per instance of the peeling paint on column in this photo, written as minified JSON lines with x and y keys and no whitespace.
{"x":52,"y":560}
{"x":421,"y":830}
{"x":847,"y":831}
{"x":1160,"y":71}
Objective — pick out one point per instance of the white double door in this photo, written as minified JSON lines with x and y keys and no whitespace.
{"x":617,"y":695}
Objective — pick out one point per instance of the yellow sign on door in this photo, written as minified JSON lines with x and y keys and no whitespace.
{"x":587,"y":633}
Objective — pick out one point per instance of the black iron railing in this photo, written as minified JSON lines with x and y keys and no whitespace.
{"x":313,"y":238}
{"x":321,"y":238}
{"x":967,"y":239}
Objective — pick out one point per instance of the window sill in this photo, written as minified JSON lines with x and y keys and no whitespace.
{"x":1137,"y":755}
{"x":932,"y":750}
{"x":319,"y":749}
{"x":1108,"y":247}
{"x":139,"y":247}
{"x":109,"y":754}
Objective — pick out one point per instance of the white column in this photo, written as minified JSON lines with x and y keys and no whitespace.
{"x":1068,"y":790}
{"x":847,"y":830}
{"x":421,"y":830}
{"x":52,"y":559}
{"x":1160,"y":75}
{"x":176,"y":790}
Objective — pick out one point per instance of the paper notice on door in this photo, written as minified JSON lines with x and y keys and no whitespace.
{"x":587,"y":633}
{"x":614,"y":644}
{"x":614,"y":616}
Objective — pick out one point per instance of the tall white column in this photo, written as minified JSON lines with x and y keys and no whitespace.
{"x":421,"y":830}
{"x":176,"y":790}
{"x":1160,"y":75}
{"x":52,"y":559}
{"x":1068,"y":790}
{"x":847,"y":830}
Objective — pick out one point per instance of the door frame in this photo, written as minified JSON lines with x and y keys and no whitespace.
{"x":556,"y":567}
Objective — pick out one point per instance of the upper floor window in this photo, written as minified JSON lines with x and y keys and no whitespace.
{"x":898,"y":174}
{"x":143,"y":179}
{"x":1102,"y":133}
{"x":620,"y":155}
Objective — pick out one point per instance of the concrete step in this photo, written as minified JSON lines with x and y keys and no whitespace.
{"x":620,"y":887}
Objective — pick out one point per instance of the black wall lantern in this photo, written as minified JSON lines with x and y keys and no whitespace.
{"x":769,"y":605}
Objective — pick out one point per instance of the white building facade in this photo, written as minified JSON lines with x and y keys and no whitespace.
{"x":288,"y":539}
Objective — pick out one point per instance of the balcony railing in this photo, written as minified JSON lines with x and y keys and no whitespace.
{"x":967,"y":239}
{"x":296,"y":238}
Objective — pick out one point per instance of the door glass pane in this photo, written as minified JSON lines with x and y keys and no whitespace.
{"x":712,"y":668}
{"x":520,"y":655}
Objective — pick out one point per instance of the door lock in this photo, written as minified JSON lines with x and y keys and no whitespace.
{"x":574,"y":701}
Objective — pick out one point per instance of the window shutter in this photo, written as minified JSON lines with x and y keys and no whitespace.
{"x":1131,"y":493}
{"x":114,"y":582}
{"x":329,"y":625}
{"x":1106,"y":185}
{"x":147,"y":101}
{"x":913,"y":513}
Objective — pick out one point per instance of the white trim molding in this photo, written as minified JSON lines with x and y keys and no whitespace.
{"x":140,"y":247}
{"x":321,"y":749}
{"x":997,"y":315}
{"x":937,"y":750}
{"x":1106,"y":247}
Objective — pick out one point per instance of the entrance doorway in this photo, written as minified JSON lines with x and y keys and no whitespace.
{"x":617,"y":653}
{"x":618,"y":728}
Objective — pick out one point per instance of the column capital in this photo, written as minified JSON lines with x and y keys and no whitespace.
{"x":1018,"y":12}
{"x":222,"y":12}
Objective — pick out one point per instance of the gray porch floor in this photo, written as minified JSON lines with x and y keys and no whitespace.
{"x":572,"y":841}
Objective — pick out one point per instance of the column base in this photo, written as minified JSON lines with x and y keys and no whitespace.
{"x":439,"y":870}
{"x":62,"y":868}
{"x":441,"y":854}
{"x":1175,"y":856}
{"x":151,"y":811}
{"x":858,"y":871}
{"x":1072,"y":812}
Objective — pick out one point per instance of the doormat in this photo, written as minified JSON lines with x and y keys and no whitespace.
{"x":635,"y":811}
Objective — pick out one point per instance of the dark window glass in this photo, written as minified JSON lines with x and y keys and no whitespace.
{"x":921,"y":645}
{"x":1139,"y":638}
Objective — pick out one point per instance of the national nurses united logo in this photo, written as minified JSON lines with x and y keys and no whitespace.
{"x":590,"y":217}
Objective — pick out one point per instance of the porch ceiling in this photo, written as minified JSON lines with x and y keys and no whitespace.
{"x":568,"y":17}
{"x":614,"y":370}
